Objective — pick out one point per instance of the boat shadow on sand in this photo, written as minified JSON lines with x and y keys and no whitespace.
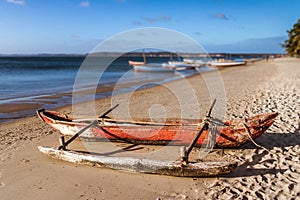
{"x":269,"y":141}
{"x":131,"y":147}
{"x":272,"y":140}
{"x":248,"y":168}
{"x":278,"y":143}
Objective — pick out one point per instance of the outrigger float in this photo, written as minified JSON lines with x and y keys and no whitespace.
{"x":170,"y":168}
{"x":183,"y":168}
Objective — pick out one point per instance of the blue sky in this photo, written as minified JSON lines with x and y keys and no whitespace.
{"x":77,"y":26}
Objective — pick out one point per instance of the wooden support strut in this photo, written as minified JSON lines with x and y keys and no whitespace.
{"x":185,"y":152}
{"x":95,"y":122}
{"x":65,"y":144}
{"x":62,"y":143}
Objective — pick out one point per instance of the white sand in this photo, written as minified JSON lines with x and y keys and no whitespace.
{"x":256,"y":88}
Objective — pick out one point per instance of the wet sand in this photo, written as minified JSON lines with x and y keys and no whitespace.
{"x":271,"y":173}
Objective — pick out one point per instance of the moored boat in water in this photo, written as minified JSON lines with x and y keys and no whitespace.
{"x":137,"y":63}
{"x":153,"y":67}
{"x":179,"y":66}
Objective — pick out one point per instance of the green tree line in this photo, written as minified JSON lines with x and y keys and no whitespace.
{"x":292,"y":44}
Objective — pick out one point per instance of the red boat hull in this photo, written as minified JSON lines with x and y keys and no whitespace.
{"x":232,"y":134}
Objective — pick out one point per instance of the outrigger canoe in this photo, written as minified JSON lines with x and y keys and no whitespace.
{"x":172,"y":168}
{"x":232,"y":133}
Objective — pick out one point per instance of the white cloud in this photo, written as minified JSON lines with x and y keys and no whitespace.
{"x":18,"y":2}
{"x":150,"y":19}
{"x":221,"y":16}
{"x":85,"y":4}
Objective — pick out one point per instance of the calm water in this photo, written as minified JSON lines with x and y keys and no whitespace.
{"x":27,"y":79}
{"x":28,"y":76}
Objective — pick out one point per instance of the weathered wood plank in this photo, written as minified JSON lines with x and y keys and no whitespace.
{"x":171,"y":168}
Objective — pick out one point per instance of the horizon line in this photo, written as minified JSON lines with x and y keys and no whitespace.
{"x":153,"y":52}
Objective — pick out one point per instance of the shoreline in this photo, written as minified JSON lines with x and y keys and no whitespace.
{"x":252,"y":89}
{"x":16,"y":109}
{"x":25,"y":106}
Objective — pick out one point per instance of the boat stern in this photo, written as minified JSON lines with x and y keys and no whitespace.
{"x":260,"y":123}
{"x":38,"y":112}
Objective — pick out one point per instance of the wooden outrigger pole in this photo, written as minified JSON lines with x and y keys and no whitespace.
{"x":185,"y":152}
{"x":144,"y":57}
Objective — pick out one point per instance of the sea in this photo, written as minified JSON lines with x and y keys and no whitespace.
{"x":48,"y":81}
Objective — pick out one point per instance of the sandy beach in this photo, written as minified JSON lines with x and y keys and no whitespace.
{"x":270,"y":173}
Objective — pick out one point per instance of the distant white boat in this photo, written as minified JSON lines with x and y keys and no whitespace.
{"x":132,"y":63}
{"x":138,"y":63}
{"x":178,"y":65}
{"x":152,"y":67}
{"x":194,"y":61}
{"x":227,"y":63}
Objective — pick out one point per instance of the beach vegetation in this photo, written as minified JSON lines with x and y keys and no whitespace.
{"x":292,"y":44}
